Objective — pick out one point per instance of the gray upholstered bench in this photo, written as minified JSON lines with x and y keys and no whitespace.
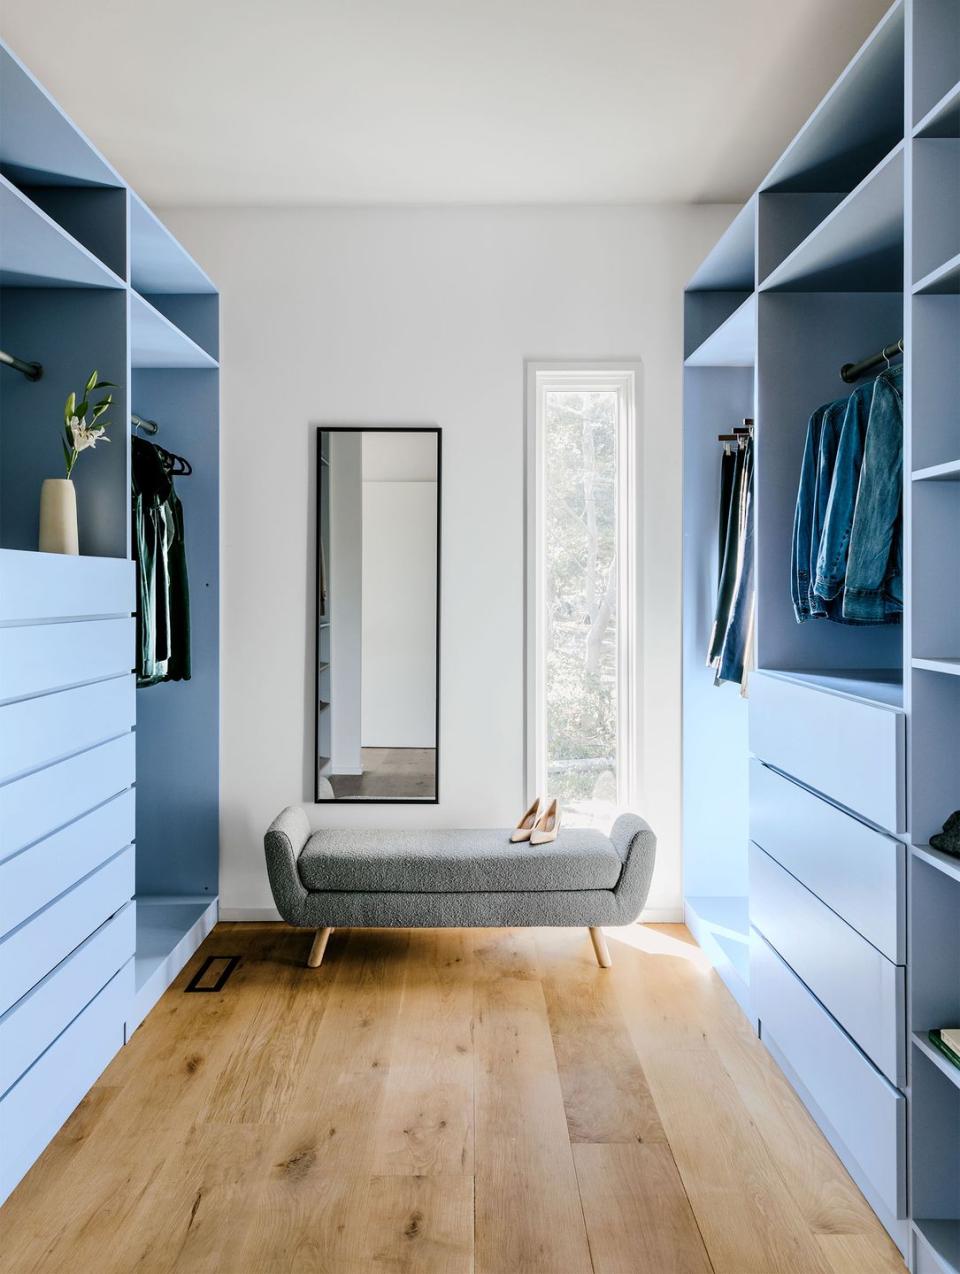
{"x":456,"y":879}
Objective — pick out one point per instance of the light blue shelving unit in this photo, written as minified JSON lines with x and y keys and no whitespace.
{"x":808,"y":808}
{"x":108,"y":794}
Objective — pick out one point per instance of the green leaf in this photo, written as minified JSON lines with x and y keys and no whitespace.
{"x":91,"y":382}
{"x":82,"y":408}
{"x":105,"y":384}
{"x":67,"y":454}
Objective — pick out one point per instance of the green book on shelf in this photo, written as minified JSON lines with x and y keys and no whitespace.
{"x":948,"y":1043}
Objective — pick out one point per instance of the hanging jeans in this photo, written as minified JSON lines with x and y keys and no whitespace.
{"x":728,"y":569}
{"x":733,"y":654}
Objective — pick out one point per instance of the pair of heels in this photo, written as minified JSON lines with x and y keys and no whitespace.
{"x":540,"y":824}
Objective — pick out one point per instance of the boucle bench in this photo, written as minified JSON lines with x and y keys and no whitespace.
{"x":456,"y":879}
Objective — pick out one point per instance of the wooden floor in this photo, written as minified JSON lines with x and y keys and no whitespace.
{"x":444,"y":1102}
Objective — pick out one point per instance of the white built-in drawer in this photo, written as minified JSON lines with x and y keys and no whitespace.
{"x":35,"y":732}
{"x":35,"y":806}
{"x":859,"y":872}
{"x":40,"y":1101}
{"x":36,"y":1021}
{"x":846,"y":747}
{"x":867,"y":1114}
{"x":37,"y":658}
{"x":862,"y":989}
{"x":55,"y":586}
{"x":29,"y":952}
{"x":34,"y":876}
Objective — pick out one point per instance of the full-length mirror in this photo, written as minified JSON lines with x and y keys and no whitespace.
{"x":377,"y":562}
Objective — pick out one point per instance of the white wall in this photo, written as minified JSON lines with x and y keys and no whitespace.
{"x":399,"y":614}
{"x":426,"y":316}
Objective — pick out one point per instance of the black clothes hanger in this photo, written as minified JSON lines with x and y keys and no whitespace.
{"x":176,"y":466}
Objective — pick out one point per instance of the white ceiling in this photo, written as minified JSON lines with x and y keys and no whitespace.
{"x":438,"y":101}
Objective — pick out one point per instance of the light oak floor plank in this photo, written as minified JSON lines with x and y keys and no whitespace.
{"x":444,"y":1102}
{"x":639,"y":1219}
{"x":528,"y":1213}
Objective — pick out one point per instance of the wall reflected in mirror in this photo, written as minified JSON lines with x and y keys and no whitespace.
{"x":377,"y":563}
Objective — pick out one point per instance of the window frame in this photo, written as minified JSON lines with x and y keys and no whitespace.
{"x":625,"y":377}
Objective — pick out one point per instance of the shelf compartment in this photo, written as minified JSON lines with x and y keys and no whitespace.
{"x":158,"y":263}
{"x":155,"y":342}
{"x":936,"y":203}
{"x":857,"y":123}
{"x":39,"y":144}
{"x":935,"y":1135}
{"x":936,"y":54}
{"x":169,"y":931}
{"x":733,"y":343}
{"x":934,"y":758}
{"x":936,"y":386}
{"x":943,"y":119}
{"x":937,"y":1241}
{"x":858,"y":246}
{"x":36,"y":252}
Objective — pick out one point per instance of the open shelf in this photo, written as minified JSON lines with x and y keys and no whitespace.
{"x":733,"y":343}
{"x":942,"y":120}
{"x":949,"y":666}
{"x":38,"y":143}
{"x":37,"y":252}
{"x":945,"y":278}
{"x":943,"y":1240}
{"x":730,"y":264}
{"x":941,"y":1062}
{"x":858,"y":246}
{"x":156,"y":342}
{"x":169,"y":930}
{"x":936,"y":858}
{"x":858,"y":122}
{"x":158,"y":264}
{"x":948,"y":472}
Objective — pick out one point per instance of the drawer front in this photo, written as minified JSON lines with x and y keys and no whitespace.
{"x":860,"y":987}
{"x":35,"y":876}
{"x":30,"y":952}
{"x":43,"y":1098}
{"x":37,"y":805}
{"x":850,"y":750}
{"x":54,"y":586}
{"x":31,"y":1026}
{"x":36,"y":732}
{"x":857,"y":871}
{"x":38,"y":658}
{"x":867,"y":1113}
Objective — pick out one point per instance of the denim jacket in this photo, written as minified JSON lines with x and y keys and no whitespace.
{"x":876,"y":472}
{"x":873,"y":589}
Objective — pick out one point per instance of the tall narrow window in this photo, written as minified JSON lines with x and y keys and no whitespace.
{"x":581,"y":682}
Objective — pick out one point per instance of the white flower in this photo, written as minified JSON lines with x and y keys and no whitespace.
{"x":84,"y":437}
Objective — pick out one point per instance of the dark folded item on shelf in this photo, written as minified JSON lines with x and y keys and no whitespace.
{"x":939,"y":1043}
{"x":948,"y":841}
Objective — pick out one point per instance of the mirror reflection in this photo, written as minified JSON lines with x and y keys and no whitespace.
{"x":378,"y":505}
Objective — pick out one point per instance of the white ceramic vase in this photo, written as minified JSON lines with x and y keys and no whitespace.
{"x":58,"y":516}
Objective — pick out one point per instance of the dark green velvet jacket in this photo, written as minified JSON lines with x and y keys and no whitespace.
{"x":163,"y":595}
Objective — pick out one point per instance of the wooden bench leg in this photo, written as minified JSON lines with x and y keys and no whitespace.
{"x":321,"y":938}
{"x":600,"y":947}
